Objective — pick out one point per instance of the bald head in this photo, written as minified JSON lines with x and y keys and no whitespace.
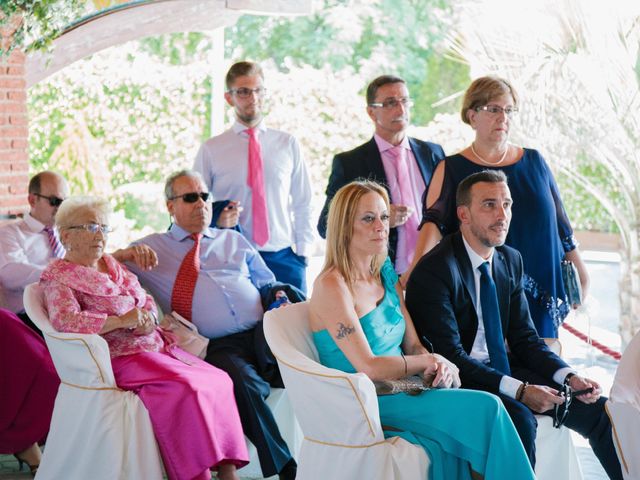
{"x":46,"y":189}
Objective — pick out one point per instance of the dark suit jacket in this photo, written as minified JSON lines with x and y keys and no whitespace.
{"x":441,"y":299}
{"x":365,"y":162}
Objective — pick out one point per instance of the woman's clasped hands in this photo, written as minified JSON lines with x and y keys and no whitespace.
{"x":441,"y":373}
{"x":140,"y":321}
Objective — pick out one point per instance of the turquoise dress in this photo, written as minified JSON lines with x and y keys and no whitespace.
{"x":455,"y":427}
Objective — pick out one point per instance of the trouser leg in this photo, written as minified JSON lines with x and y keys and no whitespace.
{"x":287,"y":267}
{"x":251,"y":391}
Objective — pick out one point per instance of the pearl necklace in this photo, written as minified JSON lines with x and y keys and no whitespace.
{"x":504,"y":156}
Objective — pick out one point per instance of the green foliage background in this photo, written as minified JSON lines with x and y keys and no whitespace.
{"x":128,"y":131}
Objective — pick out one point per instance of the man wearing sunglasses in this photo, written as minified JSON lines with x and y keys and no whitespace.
{"x":403,"y":165}
{"x":28,"y":245}
{"x":262,"y":171}
{"x":229,"y":290}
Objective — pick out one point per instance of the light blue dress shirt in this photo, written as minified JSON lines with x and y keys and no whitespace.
{"x":226,"y":298}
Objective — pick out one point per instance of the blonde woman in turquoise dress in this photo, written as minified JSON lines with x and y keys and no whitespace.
{"x":360,"y":323}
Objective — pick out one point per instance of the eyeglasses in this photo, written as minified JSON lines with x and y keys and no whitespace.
{"x":192,"y":197}
{"x":244,"y":92}
{"x":92,"y":228}
{"x":392,"y":103}
{"x":560,"y":411}
{"x":53,"y":201}
{"x":495,"y":110}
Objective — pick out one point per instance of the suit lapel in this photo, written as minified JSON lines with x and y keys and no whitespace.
{"x":501,"y":279}
{"x":373,"y":160}
{"x":422,"y":163}
{"x":466,"y":270}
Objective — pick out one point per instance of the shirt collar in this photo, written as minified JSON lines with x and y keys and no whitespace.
{"x":238,"y":127}
{"x":179,"y":233}
{"x":477,"y":260}
{"x":34,"y":225}
{"x":383,"y":145}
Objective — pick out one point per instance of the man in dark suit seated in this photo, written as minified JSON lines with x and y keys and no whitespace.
{"x":403,"y":165}
{"x":466,"y":297}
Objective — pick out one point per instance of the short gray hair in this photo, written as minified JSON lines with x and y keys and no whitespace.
{"x":168,"y":185}
{"x":72,"y":207}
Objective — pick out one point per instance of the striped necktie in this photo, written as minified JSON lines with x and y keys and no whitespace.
{"x":57,"y":250}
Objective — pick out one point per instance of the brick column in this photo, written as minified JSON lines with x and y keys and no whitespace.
{"x":14,"y":131}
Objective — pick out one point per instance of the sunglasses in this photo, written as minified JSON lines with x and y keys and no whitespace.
{"x":560,"y":411}
{"x":53,"y":201}
{"x":192,"y":197}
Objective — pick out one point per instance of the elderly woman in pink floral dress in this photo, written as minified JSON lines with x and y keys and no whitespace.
{"x":191,"y":403}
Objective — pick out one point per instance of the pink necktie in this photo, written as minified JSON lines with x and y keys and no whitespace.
{"x":399,"y":155}
{"x":255,"y":180}
{"x":183,"y":288}
{"x":57,"y":250}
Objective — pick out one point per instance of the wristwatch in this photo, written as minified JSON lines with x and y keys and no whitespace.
{"x":567,"y":379}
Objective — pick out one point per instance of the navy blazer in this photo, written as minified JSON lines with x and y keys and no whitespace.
{"x":365,"y":162}
{"x":441,"y":297}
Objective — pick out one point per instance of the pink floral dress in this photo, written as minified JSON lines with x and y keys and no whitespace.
{"x":191,"y":403}
{"x":81,"y":298}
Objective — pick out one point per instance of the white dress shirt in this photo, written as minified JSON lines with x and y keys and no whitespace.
{"x":223,"y":162}
{"x":24,"y":254}
{"x":508,"y":385}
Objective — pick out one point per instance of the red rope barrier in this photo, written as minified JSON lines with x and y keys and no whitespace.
{"x":595,"y":343}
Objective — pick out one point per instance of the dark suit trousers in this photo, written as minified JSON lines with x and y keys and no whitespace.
{"x":246,"y":357}
{"x":589,"y":420}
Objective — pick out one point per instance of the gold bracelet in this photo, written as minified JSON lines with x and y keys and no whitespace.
{"x":406,"y":369}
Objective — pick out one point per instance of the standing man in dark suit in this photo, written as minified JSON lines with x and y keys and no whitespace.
{"x":403,"y":165}
{"x":466,"y":297}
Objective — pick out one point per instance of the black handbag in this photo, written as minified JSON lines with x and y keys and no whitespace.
{"x":571,"y":282}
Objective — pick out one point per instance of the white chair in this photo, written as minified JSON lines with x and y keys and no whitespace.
{"x":623,"y":408}
{"x":555,"y":454}
{"x":98,"y":431}
{"x":338,"y":412}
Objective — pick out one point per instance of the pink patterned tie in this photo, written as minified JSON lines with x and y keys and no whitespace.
{"x":255,"y":180}
{"x":399,"y":155}
{"x":186,"y":279}
{"x":57,"y":250}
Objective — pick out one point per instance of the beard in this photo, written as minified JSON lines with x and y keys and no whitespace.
{"x":485,"y":237}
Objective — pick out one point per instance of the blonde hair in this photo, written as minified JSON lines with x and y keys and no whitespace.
{"x":482,"y":91}
{"x":72,"y":207}
{"x":340,"y":222}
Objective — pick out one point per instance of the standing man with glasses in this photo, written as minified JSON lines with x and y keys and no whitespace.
{"x":262,"y":171}
{"x":466,"y":296}
{"x":403,"y":165}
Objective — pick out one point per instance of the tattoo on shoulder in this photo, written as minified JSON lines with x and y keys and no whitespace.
{"x":344,"y":330}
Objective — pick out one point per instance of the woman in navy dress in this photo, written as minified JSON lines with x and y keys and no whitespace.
{"x":540,"y":228}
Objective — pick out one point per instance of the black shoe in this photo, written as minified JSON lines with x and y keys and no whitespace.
{"x":289,"y":471}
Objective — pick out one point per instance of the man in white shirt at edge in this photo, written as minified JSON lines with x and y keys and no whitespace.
{"x":223,"y":162}
{"x":26,"y":247}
